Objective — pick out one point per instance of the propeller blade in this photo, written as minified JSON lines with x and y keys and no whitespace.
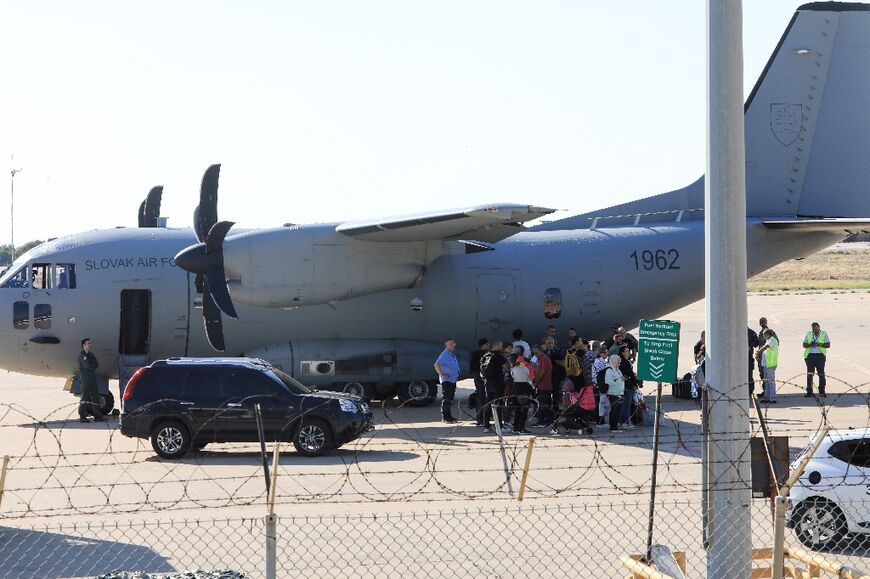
{"x":205,"y":215}
{"x":196,"y":228}
{"x":211,"y":317}
{"x":152,"y":206}
{"x":142,"y":214}
{"x":214,"y":241}
{"x":216,"y":283}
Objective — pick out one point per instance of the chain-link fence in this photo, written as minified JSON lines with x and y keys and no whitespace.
{"x":590,"y":540}
{"x":438,"y":500}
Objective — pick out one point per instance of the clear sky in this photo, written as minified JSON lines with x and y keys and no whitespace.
{"x":331,"y":111}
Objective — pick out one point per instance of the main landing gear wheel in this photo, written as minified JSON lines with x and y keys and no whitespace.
{"x":364,"y":391}
{"x":418,"y":393}
{"x":106,"y":402}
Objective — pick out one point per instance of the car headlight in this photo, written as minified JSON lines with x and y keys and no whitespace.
{"x":347,"y":405}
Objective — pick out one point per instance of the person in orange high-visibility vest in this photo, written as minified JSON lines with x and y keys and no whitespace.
{"x":816,"y":344}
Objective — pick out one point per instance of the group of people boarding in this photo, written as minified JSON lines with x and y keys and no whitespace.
{"x":581,"y":384}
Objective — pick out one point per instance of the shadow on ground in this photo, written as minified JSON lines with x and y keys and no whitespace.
{"x":31,"y":553}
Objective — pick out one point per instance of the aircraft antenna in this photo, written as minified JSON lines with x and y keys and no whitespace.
{"x":12,"y":174}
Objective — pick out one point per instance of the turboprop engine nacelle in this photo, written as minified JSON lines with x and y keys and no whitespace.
{"x":308,"y":265}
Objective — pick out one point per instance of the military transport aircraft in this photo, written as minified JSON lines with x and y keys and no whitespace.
{"x":364,"y":306}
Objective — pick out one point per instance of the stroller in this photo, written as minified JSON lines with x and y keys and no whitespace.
{"x":580,"y":409}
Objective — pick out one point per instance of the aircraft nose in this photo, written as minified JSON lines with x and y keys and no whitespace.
{"x":194,"y":259}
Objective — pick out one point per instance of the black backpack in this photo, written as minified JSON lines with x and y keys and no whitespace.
{"x":600,"y":380}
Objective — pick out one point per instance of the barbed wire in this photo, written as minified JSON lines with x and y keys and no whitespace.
{"x":57,"y":470}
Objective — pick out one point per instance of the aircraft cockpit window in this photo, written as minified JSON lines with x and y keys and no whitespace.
{"x":65,"y":276}
{"x":42,"y":316}
{"x":20,"y":315}
{"x":18,"y":279}
{"x":552,"y":303}
{"x":41,"y":275}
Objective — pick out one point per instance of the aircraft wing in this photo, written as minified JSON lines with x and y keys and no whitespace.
{"x":833,"y":224}
{"x":487,"y":223}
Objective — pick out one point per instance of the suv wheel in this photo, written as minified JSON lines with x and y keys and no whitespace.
{"x":313,"y":438}
{"x":417,"y":393}
{"x":819,"y":524}
{"x":170,"y":439}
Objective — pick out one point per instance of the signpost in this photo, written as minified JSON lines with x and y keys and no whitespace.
{"x":658,"y":348}
{"x":657,"y":351}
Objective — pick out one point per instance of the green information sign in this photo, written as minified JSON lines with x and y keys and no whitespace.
{"x":657,"y":351}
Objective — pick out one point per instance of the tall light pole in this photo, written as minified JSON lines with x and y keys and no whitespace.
{"x":12,"y":173}
{"x":730,"y":540}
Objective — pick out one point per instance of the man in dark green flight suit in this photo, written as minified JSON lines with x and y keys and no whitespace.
{"x":90,"y":400}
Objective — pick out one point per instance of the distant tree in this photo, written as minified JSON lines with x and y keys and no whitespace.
{"x":6,"y":251}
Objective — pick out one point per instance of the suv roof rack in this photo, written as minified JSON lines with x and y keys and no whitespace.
{"x":235,"y":361}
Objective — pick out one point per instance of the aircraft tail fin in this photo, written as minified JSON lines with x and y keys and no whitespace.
{"x":807,"y":128}
{"x":807,"y":121}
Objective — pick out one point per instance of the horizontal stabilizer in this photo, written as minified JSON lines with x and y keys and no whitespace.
{"x":833,"y":224}
{"x":487,"y":223}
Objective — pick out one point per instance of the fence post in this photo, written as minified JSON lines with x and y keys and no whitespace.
{"x":782,"y":502}
{"x":501,"y":446}
{"x":271,"y":547}
{"x":526,"y":469}
{"x":3,"y":477}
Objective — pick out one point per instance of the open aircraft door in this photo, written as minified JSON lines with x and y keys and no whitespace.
{"x":498,"y":303}
{"x":153,"y":323}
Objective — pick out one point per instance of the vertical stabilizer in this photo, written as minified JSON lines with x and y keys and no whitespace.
{"x":807,"y":119}
{"x":807,"y":128}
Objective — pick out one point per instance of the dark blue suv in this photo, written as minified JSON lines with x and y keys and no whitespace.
{"x":186,"y":403}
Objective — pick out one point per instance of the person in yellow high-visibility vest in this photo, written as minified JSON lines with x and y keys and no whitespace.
{"x":768,"y":358}
{"x":816,"y":344}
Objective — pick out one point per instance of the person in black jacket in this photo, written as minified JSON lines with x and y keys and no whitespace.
{"x":474,"y":370}
{"x":493,"y":366}
{"x":753,"y":343}
{"x":90,"y":400}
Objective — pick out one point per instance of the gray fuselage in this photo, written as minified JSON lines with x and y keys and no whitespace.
{"x":590,"y":279}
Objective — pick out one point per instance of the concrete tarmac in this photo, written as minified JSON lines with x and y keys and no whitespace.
{"x":413,"y":462}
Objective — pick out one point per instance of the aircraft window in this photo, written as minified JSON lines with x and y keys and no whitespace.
{"x":18,"y":279}
{"x":42,"y":316}
{"x":40,"y":273}
{"x":20,"y":315}
{"x":552,"y":303}
{"x":65,"y":276}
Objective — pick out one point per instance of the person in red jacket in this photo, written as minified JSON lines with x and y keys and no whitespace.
{"x":543,"y":387}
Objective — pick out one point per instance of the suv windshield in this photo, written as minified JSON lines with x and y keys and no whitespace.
{"x":292,"y":384}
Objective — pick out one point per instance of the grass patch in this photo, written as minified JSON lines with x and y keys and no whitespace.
{"x":808,"y":284}
{"x":843,"y":267}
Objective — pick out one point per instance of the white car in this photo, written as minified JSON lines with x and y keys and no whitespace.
{"x":830,"y":499}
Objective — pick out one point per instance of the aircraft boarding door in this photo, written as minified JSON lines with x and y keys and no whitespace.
{"x":498,"y":304}
{"x":135,"y":334}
